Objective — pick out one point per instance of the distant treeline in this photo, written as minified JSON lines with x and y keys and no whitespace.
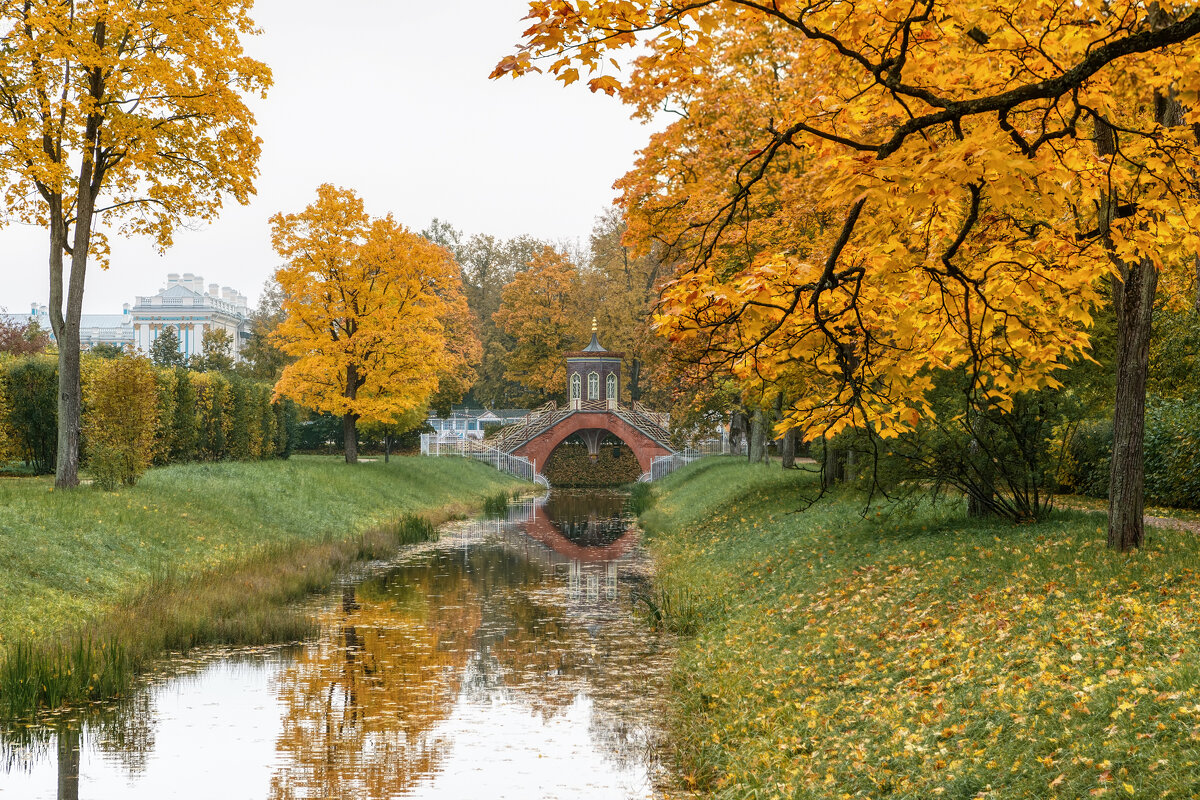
{"x":136,"y":414}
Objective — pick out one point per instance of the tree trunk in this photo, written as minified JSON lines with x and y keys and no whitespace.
{"x":737,"y":430}
{"x":68,"y":762}
{"x":350,"y":419}
{"x":1196,"y":295}
{"x":1133,"y":299}
{"x":65,"y":321}
{"x":979,"y":503}
{"x":758,"y":438}
{"x":350,"y":435}
{"x":387,"y":448}
{"x":833,"y":470}
{"x":787,"y":449}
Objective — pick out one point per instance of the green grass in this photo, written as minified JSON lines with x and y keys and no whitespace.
{"x":921,"y":655}
{"x":94,"y":585}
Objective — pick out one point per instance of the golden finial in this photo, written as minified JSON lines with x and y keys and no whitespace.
{"x":594,"y":328}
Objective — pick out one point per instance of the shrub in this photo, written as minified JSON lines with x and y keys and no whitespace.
{"x":212,"y":414}
{"x":198,"y":415}
{"x":570,"y":465}
{"x":265,"y":447}
{"x":31,"y":390}
{"x":165,"y":381}
{"x":7,"y":442}
{"x":184,"y":433}
{"x":119,"y":419}
{"x":1173,"y":453}
{"x":243,"y":420}
{"x":1088,"y":458}
{"x":287,"y":427}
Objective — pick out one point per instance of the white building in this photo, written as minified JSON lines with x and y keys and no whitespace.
{"x":94,"y":329}
{"x":469,"y":423}
{"x":185,"y":306}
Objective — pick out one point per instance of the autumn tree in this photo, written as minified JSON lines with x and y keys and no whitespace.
{"x":624,"y":285}
{"x":22,"y":338}
{"x":488,"y":265}
{"x":866,"y":197}
{"x":119,"y":113}
{"x":541,"y":311}
{"x":367,"y":304}
{"x":261,"y":356}
{"x":165,"y":350}
{"x":216,"y":351}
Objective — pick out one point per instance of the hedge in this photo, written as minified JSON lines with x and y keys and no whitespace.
{"x":1172,"y":455}
{"x":136,"y":414}
{"x":570,"y":465}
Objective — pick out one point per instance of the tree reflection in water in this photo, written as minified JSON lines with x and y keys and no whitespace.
{"x":362,"y":700}
{"x":490,"y":621}
{"x":532,"y":616}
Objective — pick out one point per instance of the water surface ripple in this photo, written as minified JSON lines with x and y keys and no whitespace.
{"x":503,"y":661}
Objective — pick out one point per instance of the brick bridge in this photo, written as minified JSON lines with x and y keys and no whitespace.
{"x":594,"y":386}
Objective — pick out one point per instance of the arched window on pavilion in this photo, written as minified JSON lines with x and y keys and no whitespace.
{"x":576,"y":386}
{"x":593,"y":386}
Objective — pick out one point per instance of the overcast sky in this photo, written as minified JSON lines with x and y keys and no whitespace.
{"x":390,"y":98}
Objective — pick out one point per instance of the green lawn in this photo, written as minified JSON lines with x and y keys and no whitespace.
{"x":921,"y":655}
{"x":69,"y":557}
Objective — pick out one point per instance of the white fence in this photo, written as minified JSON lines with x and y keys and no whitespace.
{"x":662,"y":466}
{"x":433,"y":445}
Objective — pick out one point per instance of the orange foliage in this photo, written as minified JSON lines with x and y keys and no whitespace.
{"x":541,"y":311}
{"x":368,"y":308}
{"x":860,"y":196}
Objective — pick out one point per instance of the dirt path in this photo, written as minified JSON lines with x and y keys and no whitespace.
{"x":1190,"y":525}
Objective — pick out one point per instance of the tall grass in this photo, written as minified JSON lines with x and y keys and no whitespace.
{"x":495,"y":506}
{"x":253,"y":604}
{"x":95,"y":586}
{"x":47,"y":676}
{"x":641,"y":498}
{"x":672,"y":608}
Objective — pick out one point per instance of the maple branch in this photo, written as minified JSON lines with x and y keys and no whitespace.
{"x":1050,"y":88}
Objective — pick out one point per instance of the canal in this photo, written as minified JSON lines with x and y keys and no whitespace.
{"x":505,"y":660}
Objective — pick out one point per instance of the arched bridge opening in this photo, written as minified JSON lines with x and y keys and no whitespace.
{"x":645,"y":448}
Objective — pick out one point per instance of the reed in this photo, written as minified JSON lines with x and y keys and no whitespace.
{"x":253,"y":604}
{"x":495,"y":506}
{"x":641,"y":498}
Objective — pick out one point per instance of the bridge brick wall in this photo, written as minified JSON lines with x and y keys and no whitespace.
{"x":539,"y":448}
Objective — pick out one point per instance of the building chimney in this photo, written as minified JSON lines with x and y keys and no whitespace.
{"x":172,"y":279}
{"x":227,"y":293}
{"x":214,"y":290}
{"x":125,"y":309}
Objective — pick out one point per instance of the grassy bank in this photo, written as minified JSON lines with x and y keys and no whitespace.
{"x":94,"y":584}
{"x":922,"y":655}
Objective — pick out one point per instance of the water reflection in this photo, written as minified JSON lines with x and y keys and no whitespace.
{"x":505,"y":656}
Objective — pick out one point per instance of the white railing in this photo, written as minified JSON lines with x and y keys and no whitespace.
{"x":662,"y":466}
{"x":521,"y":467}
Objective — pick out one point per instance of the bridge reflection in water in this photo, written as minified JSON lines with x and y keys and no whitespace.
{"x":501,"y":661}
{"x":585,"y":533}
